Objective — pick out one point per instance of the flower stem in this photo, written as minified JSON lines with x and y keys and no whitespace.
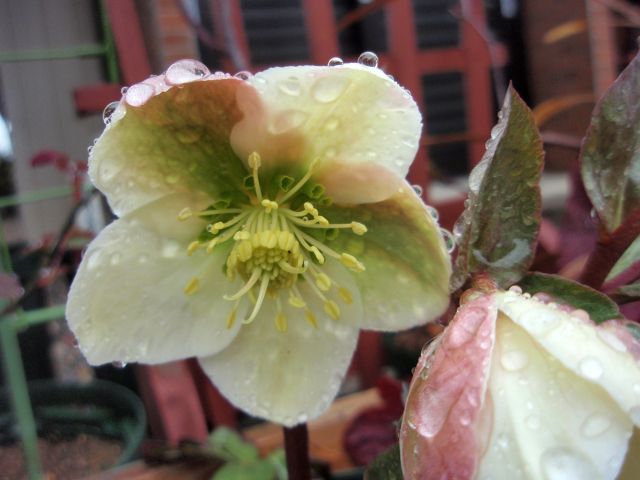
{"x":608,"y":251}
{"x":296,"y":446}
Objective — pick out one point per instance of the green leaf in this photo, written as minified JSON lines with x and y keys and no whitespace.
{"x":630,"y":257}
{"x":497,"y":233}
{"x":386,"y":466}
{"x":632,"y":290}
{"x":610,"y":157}
{"x":229,"y":445}
{"x":261,"y":470}
{"x":599,"y":306}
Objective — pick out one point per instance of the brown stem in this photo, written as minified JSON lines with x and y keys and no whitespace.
{"x":609,"y":249}
{"x":296,"y":446}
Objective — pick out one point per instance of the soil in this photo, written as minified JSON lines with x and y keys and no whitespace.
{"x":62,"y":459}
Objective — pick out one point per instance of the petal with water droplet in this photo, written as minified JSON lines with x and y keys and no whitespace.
{"x":289,"y":376}
{"x":407,"y":264}
{"x":166,"y":144}
{"x":364,"y":101}
{"x":439,"y":434}
{"x":109,"y":299}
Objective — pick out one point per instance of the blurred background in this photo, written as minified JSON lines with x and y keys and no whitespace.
{"x":62,"y":62}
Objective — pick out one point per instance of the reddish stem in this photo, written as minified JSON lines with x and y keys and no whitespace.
{"x":296,"y":446}
{"x":609,"y":249}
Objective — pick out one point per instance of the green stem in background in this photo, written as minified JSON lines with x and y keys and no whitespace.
{"x":609,"y":249}
{"x":113,"y":74}
{"x":296,"y":446}
{"x":14,"y":372}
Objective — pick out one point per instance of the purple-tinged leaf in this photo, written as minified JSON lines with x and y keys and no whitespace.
{"x":562,"y":290}
{"x":610,"y":156}
{"x":497,"y":233}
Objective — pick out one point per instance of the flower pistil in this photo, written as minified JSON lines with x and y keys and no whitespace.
{"x":277,"y":243}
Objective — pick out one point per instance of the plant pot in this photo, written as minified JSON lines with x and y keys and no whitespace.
{"x":99,"y":408}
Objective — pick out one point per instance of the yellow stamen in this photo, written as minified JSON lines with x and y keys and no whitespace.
{"x":323,"y":282}
{"x":296,"y":301}
{"x":192,"y":286}
{"x":301,"y":182}
{"x":246,"y":287}
{"x":254,"y":162}
{"x":281,"y":322}
{"x":332,"y":309}
{"x":193,"y":246}
{"x":269,"y":205}
{"x":317,"y":254}
{"x":358,"y":228}
{"x":184,"y":214}
{"x":231,"y":319}
{"x":351,"y":262}
{"x":211,"y":245}
{"x":264,"y":284}
{"x":311,"y":318}
{"x":345,"y":295}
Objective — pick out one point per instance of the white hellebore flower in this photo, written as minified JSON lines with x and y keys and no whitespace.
{"x":519,"y":389}
{"x":263,"y":220}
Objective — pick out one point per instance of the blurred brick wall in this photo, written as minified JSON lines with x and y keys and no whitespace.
{"x":558,"y":69}
{"x":168,"y":36}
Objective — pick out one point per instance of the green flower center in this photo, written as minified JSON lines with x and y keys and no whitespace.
{"x":274,"y":246}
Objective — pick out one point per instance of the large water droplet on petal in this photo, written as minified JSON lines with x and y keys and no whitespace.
{"x":433,"y":213}
{"x":561,"y":463}
{"x":290,"y":86}
{"x":335,"y":61}
{"x":418,"y":189}
{"x":514,"y":360}
{"x":328,"y":89}
{"x":119,"y":365}
{"x":184,"y":71}
{"x":138,"y":94}
{"x":108,"y":111}
{"x":595,"y":425}
{"x":591,"y":368}
{"x":287,"y":120}
{"x":369,"y":59}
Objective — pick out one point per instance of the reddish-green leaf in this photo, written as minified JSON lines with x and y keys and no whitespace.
{"x":599,"y":306}
{"x":497,"y":233}
{"x":610,"y":157}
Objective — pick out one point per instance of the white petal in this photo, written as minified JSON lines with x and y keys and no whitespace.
{"x":548,"y":422}
{"x":581,"y":346}
{"x":286,"y":377}
{"x":127,"y":302}
{"x":356,"y":120}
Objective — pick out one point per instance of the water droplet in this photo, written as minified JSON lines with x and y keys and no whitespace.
{"x":433,"y":213}
{"x":331,"y":124}
{"x":123,"y":90}
{"x":184,"y":71}
{"x":290,"y":86}
{"x":449,"y":241}
{"x":335,"y":61}
{"x":115,"y":259}
{"x":594,"y":425}
{"x":369,"y":59}
{"x":515,"y":289}
{"x":561,"y":463}
{"x":108,"y":111}
{"x":503,"y":441}
{"x":89,"y":149}
{"x":139,"y":94}
{"x":119,"y":364}
{"x":514,"y":360}
{"x":465,"y":419}
{"x":591,"y":368}
{"x":328,"y":89}
{"x":94,"y":260}
{"x":287,"y":120}
{"x":417,"y":189}
{"x":243,"y":75}
{"x":533,"y":422}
